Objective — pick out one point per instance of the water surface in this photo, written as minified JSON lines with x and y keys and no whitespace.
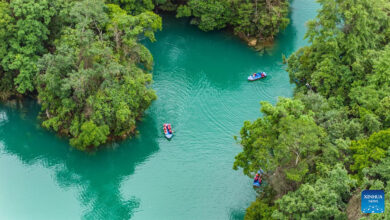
{"x":200,"y":79}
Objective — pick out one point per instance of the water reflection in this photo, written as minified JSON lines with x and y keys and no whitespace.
{"x":236,"y":214}
{"x":96,"y":176}
{"x":218,"y":57}
{"x":200,"y":79}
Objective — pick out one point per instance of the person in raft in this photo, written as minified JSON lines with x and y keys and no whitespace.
{"x":257,"y":178}
{"x":262,"y":74}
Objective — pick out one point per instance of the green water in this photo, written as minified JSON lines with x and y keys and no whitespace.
{"x":200,"y":79}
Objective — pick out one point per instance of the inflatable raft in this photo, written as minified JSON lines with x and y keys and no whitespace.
{"x":257,"y":181}
{"x":168,"y":131}
{"x":256,"y":184}
{"x":256,"y":76}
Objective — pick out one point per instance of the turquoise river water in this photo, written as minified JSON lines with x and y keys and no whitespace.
{"x":202,"y":88}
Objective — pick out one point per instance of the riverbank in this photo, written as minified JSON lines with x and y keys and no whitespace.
{"x":201,"y":82}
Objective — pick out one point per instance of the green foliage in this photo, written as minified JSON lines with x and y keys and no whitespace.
{"x":340,"y":112}
{"x":259,"y":210}
{"x":93,"y":88}
{"x":90,"y":135}
{"x":84,"y":61}
{"x":377,"y":177}
{"x":24,"y":31}
{"x":135,"y":6}
{"x":368,"y":151}
{"x":262,"y":19}
{"x":254,"y":18}
{"x":210,"y":15}
{"x":321,"y":200}
{"x":343,"y":40}
{"x":286,"y":137}
{"x":183,"y":11}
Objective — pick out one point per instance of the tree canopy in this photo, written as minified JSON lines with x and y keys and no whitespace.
{"x":334,"y":132}
{"x":258,"y":19}
{"x":83,"y":61}
{"x":96,"y":83}
{"x":255,"y":18}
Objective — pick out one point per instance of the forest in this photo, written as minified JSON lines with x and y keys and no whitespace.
{"x":329,"y":142}
{"x":85,"y":63}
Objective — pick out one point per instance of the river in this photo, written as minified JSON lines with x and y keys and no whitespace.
{"x":202,"y":88}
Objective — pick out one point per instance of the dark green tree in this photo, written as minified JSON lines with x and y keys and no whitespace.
{"x":95,"y":86}
{"x":258,"y":19}
{"x":24,"y":32}
{"x":322,"y":200}
{"x":342,"y":81}
{"x":367,"y":152}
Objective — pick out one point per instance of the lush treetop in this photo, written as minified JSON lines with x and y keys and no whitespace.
{"x":84,"y":62}
{"x":337,"y":121}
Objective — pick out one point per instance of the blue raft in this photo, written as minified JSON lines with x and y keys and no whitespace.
{"x":257,"y":183}
{"x":168,"y":131}
{"x":256,"y":76}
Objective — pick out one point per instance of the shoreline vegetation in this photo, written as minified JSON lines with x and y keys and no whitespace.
{"x":321,"y":148}
{"x":256,"y":22}
{"x":84,"y":63}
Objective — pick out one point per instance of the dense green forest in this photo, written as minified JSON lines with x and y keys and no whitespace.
{"x":256,"y":20}
{"x":329,"y":142}
{"x":253,"y":20}
{"x":84,"y":62}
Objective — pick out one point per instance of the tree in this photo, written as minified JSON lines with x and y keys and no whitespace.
{"x":259,"y":210}
{"x":24,"y":31}
{"x":135,"y":7}
{"x":90,"y":135}
{"x":343,"y":95}
{"x":321,"y":200}
{"x":368,"y":151}
{"x":260,"y":19}
{"x":286,"y":141}
{"x":377,"y":177}
{"x":342,"y":39}
{"x":93,"y":87}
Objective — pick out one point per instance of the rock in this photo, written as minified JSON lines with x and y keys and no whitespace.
{"x":252,"y":42}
